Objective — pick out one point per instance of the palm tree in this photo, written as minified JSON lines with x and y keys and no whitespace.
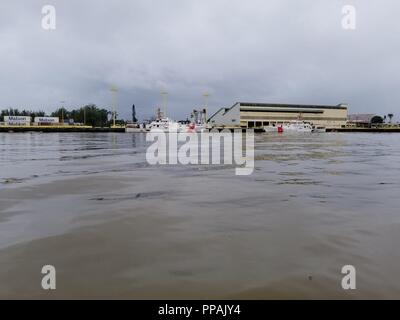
{"x":390,"y":115}
{"x":376,"y":120}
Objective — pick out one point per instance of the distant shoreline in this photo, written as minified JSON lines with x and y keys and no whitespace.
{"x":58,"y":129}
{"x":376,"y":130}
{"x":49,"y":129}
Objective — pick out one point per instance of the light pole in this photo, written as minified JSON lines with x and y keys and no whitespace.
{"x":206,"y":95}
{"x":164,"y":94}
{"x":62,"y":112}
{"x":114,"y":91}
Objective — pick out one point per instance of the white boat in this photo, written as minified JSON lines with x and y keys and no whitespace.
{"x":165,"y":124}
{"x":273,"y":128}
{"x":291,"y":127}
{"x":297,"y":126}
{"x":193,"y":127}
{"x":199,"y":121}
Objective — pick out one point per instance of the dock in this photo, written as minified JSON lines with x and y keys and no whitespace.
{"x":46,"y":129}
{"x":376,"y":130}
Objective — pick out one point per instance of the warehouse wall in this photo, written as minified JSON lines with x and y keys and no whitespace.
{"x":329,"y":118}
{"x":258,"y":115}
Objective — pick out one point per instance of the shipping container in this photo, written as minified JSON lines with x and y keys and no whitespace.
{"x":17,"y":120}
{"x":46,"y":120}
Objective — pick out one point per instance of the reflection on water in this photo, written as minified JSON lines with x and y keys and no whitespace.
{"x":91,"y":205}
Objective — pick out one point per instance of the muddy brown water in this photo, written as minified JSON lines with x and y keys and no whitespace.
{"x":115,"y":227}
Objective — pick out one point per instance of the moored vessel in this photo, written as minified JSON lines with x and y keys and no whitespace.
{"x":291,"y":127}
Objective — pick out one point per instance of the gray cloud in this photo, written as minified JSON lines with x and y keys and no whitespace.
{"x":263,"y":51}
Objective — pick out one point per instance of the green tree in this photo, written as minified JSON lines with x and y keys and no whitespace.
{"x":376,"y":120}
{"x":90,"y":115}
{"x":61,"y":113}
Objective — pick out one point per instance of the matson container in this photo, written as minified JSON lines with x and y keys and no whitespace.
{"x":17,"y":120}
{"x":46,"y":120}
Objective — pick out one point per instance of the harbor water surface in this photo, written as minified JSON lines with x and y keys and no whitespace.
{"x":114,"y":226}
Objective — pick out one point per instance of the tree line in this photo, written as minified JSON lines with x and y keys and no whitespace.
{"x":381,"y":120}
{"x":90,"y":115}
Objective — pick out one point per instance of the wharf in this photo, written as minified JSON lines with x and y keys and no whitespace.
{"x":376,"y":130}
{"x":59,"y":129}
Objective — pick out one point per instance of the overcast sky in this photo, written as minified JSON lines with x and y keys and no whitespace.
{"x":285,"y":51}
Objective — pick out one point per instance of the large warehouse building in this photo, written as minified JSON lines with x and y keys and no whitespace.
{"x":257,"y":115}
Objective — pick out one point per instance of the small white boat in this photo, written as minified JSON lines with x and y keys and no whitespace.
{"x":166,"y":125}
{"x":196,"y":127}
{"x":290,"y":127}
{"x":297,"y":126}
{"x":273,"y":128}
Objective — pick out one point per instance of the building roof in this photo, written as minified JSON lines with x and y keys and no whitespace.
{"x":281,"y":105}
{"x":218,"y":111}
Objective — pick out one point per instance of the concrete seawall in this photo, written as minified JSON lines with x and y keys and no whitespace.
{"x":377,"y":130}
{"x":57,"y":129}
